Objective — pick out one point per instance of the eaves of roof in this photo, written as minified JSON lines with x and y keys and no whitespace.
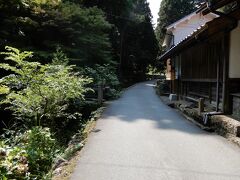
{"x":203,"y":32}
{"x":189,"y":16}
{"x":185,"y":42}
{"x":216,"y":5}
{"x":181,"y":20}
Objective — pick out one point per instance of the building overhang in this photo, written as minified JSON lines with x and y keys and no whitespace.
{"x":203,"y":33}
{"x":217,"y":4}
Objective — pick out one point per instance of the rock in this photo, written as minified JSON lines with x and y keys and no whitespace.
{"x":57,"y":171}
{"x":226,"y":125}
{"x":58,"y":162}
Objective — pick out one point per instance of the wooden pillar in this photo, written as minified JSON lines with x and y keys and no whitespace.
{"x":225,"y":89}
{"x":210,"y":92}
{"x":218,"y":86}
{"x":200,"y":106}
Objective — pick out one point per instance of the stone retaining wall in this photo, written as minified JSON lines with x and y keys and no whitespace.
{"x":225,"y":125}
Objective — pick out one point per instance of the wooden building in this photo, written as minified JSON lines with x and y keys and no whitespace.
{"x":206,"y":63}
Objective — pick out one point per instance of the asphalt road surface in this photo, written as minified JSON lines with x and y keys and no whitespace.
{"x":140,"y":138}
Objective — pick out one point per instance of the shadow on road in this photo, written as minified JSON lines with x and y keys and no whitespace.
{"x":140,"y":102}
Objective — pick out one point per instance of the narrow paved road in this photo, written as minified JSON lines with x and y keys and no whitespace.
{"x":140,"y":138}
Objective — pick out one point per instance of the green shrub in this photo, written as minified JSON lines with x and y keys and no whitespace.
{"x":40,"y":94}
{"x":4,"y":90}
{"x":41,"y":149}
{"x":112,"y":93}
{"x":28,"y":155}
{"x":102,"y":74}
{"x":106,"y":76}
{"x":13,"y":162}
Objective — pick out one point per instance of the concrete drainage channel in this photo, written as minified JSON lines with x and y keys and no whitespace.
{"x":209,"y":121}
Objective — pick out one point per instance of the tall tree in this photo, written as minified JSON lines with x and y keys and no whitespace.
{"x":133,"y":39}
{"x":90,"y":32}
{"x":118,"y":14}
{"x":40,"y":26}
{"x":139,"y":43}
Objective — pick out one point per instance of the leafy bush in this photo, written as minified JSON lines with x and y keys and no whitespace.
{"x":13,"y":163}
{"x":112,"y":93}
{"x":40,"y":94}
{"x":41,"y":149}
{"x":4,"y":90}
{"x":106,"y":76}
{"x":28,"y":155}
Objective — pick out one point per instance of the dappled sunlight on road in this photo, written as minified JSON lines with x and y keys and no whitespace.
{"x":141,"y":138}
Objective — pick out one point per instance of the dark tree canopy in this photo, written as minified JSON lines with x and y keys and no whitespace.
{"x":40,"y":26}
{"x":89,"y":31}
{"x":141,"y":47}
{"x":133,"y":40}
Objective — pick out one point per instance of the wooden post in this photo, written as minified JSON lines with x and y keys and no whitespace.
{"x":210,"y":92}
{"x":225,"y":89}
{"x":238,"y":131}
{"x":200,"y":106}
{"x":218,"y":86}
{"x":100,"y":93}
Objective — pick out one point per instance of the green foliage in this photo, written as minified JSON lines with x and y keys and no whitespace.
{"x":90,"y":32}
{"x":70,"y":151}
{"x":28,"y":155}
{"x":112,"y":93}
{"x":102,"y":74}
{"x":4,"y":90}
{"x":133,"y":39}
{"x":41,"y":149}
{"x":43,"y":91}
{"x":59,"y":58}
{"x":140,"y":45}
{"x":13,"y":162}
{"x":41,"y":25}
{"x":83,"y":33}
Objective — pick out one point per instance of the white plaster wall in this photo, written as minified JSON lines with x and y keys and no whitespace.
{"x":234,"y":58}
{"x":183,"y":29}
